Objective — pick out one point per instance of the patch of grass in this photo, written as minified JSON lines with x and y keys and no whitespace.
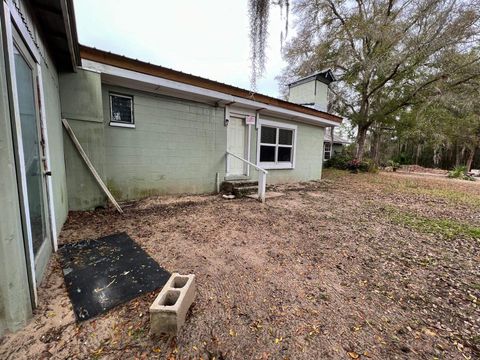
{"x":451,"y":195}
{"x":334,"y":174}
{"x":475,"y":286}
{"x":446,"y":228}
{"x":428,"y":188}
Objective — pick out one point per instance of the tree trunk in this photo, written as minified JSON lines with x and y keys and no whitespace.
{"x":459,"y":155}
{"x":471,"y":156}
{"x":361,"y":138}
{"x":437,"y":156}
{"x":417,"y":155}
{"x":375,"y":149}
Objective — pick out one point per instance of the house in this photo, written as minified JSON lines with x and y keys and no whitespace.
{"x":145,"y":128}
{"x":331,"y":148}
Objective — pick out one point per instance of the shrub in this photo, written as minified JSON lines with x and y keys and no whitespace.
{"x":393,"y":164}
{"x":402,"y":159}
{"x":370,"y":166}
{"x":366,"y":165}
{"x":460,"y":172}
{"x":339,"y":161}
{"x":345,"y":161}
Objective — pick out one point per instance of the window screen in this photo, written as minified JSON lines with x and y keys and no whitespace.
{"x":121,"y":108}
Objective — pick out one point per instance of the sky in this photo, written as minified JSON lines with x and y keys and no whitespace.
{"x":208,"y":38}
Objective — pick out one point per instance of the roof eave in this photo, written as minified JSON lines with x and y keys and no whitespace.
{"x":139,"y":67}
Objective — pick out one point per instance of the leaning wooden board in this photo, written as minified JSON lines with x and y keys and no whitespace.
{"x":90,"y":165}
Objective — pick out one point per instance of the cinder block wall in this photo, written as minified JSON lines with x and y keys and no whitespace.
{"x":177,"y":146}
{"x":81,"y":97}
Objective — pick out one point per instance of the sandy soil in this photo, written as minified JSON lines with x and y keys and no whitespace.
{"x":324,"y":272}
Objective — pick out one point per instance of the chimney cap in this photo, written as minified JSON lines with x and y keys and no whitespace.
{"x":326,"y":76}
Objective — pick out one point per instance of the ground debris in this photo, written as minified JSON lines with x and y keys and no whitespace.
{"x":323,"y":272}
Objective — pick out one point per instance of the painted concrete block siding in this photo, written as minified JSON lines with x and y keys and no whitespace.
{"x":308,"y":157}
{"x":14,"y":295}
{"x":83,"y":191}
{"x":81,"y":96}
{"x":177,"y":146}
{"x":85,"y":88}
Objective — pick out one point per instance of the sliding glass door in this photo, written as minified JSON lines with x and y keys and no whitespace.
{"x":28,"y":105}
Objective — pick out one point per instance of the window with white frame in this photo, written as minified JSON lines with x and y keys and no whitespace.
{"x":276,"y":148}
{"x":121,"y":110}
{"x":327,"y":150}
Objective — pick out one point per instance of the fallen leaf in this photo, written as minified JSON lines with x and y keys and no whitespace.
{"x":429,"y":332}
{"x":353,"y":355}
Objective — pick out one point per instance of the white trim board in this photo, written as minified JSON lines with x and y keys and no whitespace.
{"x":43,"y":124}
{"x":20,"y":158}
{"x":122,"y":125}
{"x":277,"y":125}
{"x":179,"y":88}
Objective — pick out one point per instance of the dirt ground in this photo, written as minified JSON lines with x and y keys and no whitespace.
{"x":364,"y":266}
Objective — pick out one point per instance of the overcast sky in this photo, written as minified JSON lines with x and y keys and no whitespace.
{"x":208,"y":38}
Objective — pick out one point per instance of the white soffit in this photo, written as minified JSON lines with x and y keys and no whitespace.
{"x":131,"y":79}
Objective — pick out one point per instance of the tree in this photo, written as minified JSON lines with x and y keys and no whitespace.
{"x":447,"y":121}
{"x":384,"y":52}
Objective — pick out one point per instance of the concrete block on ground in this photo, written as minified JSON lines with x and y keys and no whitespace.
{"x":169,"y":310}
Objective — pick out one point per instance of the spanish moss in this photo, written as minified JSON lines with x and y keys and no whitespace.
{"x":259,"y":11}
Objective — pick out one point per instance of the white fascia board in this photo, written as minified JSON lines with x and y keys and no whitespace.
{"x":214,"y":95}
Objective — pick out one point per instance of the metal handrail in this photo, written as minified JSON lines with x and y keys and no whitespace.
{"x":248,"y":162}
{"x":262,"y":176}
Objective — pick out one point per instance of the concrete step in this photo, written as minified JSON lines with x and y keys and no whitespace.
{"x":244,"y":190}
{"x":240,"y":188}
{"x":243,"y":183}
{"x":229,"y":186}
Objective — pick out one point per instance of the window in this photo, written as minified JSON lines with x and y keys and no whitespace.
{"x":276,"y":148}
{"x":327,"y":150}
{"x":121,"y":110}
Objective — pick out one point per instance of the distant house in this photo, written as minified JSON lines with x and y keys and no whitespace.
{"x":338,"y":144}
{"x":146,"y":130}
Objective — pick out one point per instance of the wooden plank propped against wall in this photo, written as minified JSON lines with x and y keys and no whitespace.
{"x":90,"y":165}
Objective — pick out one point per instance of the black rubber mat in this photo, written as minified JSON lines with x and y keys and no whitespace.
{"x":101,"y":274}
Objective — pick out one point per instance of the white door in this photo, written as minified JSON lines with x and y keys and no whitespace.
{"x":236,"y":144}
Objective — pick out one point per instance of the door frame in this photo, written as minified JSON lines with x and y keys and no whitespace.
{"x":247,"y":150}
{"x":17,"y":34}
